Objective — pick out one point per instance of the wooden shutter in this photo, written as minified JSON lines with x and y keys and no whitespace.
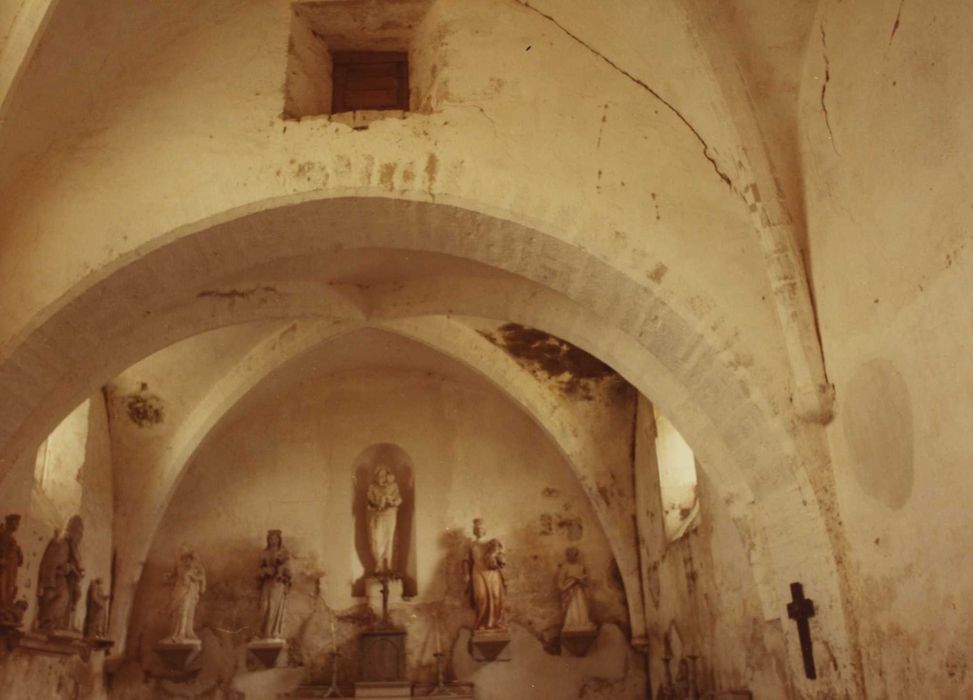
{"x":370,"y":80}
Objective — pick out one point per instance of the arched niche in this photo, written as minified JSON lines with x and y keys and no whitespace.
{"x":366,"y":465}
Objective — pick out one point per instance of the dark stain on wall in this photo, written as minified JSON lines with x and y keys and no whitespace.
{"x":144,"y":408}
{"x":605,"y":494}
{"x":571,"y":526}
{"x":235,"y":293}
{"x":574,"y":371}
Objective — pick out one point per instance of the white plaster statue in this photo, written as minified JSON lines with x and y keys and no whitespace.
{"x":96,"y":616}
{"x":572,"y":582}
{"x":189,"y":584}
{"x":275,"y":581}
{"x":59,"y":579}
{"x":384,"y":500}
{"x":484,"y":575}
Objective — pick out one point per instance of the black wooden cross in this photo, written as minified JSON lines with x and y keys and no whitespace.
{"x":801,"y":609}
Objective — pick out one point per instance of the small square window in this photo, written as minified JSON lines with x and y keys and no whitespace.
{"x":369,"y":80}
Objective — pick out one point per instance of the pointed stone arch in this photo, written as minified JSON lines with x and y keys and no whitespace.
{"x":453,"y":339}
{"x":681,"y":360}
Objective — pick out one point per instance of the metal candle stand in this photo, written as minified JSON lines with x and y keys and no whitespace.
{"x":441,"y":688}
{"x":332,"y":690}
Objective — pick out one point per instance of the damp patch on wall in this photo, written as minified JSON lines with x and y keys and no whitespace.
{"x":144,"y":408}
{"x":575,"y":372}
{"x":876,"y":415}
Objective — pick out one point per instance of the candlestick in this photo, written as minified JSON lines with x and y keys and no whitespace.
{"x":441,"y":689}
{"x":439,"y":639}
{"x":333,"y":691}
{"x":334,"y":640}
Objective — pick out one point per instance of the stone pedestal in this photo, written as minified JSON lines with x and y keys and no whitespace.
{"x":65,"y":636}
{"x":578,"y":642}
{"x":10,"y":636}
{"x":267,"y":651}
{"x":382,"y":656}
{"x":99,"y":643}
{"x":383,"y":689}
{"x":487,"y":644}
{"x":64,"y":642}
{"x":177,"y":655}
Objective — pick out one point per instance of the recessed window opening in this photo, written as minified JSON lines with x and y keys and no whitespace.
{"x":351,"y":58}
{"x":677,"y":478}
{"x":57,"y":468}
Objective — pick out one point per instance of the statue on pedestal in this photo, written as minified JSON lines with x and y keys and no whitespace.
{"x":572,"y":583}
{"x":11,"y":559}
{"x":484,"y":575}
{"x":384,"y":500}
{"x":578,"y":631}
{"x":189,"y":584}
{"x":275,"y":581}
{"x":59,"y":580}
{"x":96,"y":615}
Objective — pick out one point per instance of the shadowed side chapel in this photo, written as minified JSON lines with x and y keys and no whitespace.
{"x":494,"y":349}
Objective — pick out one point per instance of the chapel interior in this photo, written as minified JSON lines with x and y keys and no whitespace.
{"x":493,"y":349}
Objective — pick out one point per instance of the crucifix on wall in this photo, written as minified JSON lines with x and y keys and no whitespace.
{"x":801,"y":609}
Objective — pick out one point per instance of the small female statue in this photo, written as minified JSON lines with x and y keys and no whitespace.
{"x":96,"y":616}
{"x":384,"y":500}
{"x":484,"y":576}
{"x":190,"y":584}
{"x":275,"y":581}
{"x":572,"y":582}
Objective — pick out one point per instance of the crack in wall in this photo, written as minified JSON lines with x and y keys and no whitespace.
{"x":478,"y":108}
{"x":601,"y":128}
{"x":645,"y":86}
{"x":236,"y":293}
{"x":824,"y":88}
{"x":898,"y":20}
{"x":601,"y":133}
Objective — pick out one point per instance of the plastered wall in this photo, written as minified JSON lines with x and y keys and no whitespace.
{"x":891,"y":245}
